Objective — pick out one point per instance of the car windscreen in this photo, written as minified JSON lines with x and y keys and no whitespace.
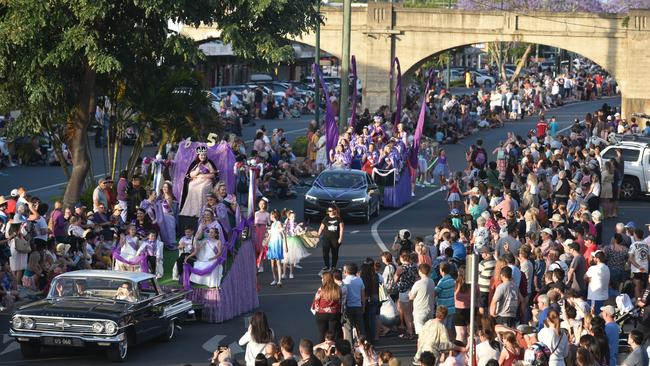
{"x":108,"y":288}
{"x":341,"y":180}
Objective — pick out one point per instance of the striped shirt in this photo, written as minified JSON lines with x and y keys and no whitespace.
{"x":485,"y":274}
{"x":445,"y":292}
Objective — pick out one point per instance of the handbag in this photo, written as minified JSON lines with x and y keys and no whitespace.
{"x":22,"y":245}
{"x":383,"y":293}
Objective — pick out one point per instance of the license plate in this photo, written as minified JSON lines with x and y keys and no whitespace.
{"x":62,"y":342}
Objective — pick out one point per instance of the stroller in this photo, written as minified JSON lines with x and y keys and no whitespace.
{"x":627,"y":316}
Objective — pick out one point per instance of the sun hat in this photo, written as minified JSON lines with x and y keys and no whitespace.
{"x":557,"y":218}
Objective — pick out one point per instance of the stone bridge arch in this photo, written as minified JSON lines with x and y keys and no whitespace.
{"x":619,"y":43}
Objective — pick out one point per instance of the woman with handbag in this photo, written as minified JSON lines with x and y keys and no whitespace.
{"x":327,"y":306}
{"x":19,"y":247}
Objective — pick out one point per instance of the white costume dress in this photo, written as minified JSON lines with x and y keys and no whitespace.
{"x":129,"y":251}
{"x":208,"y":249}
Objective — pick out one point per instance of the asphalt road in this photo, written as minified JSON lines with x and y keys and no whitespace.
{"x":288,"y":307}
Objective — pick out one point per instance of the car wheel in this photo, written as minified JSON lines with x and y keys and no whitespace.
{"x":30,"y":349}
{"x":117,"y":352}
{"x":629,"y":188}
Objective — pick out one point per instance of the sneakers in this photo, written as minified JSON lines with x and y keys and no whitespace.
{"x":323,"y":270}
{"x":291,"y":275}
{"x":412,"y":194}
{"x":284,"y":276}
{"x":274,"y":283}
{"x":297,"y":266}
{"x":260,"y":270}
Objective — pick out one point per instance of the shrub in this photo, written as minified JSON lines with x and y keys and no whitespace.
{"x":299,"y":146}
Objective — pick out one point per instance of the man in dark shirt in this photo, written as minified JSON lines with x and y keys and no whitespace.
{"x":136,"y":194}
{"x":307,"y":353}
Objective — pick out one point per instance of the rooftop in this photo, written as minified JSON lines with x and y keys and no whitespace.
{"x":101,"y":273}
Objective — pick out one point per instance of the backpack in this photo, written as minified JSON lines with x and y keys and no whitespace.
{"x":542,"y":354}
{"x":480,"y":157}
{"x":242,"y":182}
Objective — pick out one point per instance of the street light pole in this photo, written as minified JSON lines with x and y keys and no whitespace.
{"x":317,"y":62}
{"x":345,"y":64}
{"x":448,"y":69}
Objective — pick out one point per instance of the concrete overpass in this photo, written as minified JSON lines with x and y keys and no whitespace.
{"x":620,"y":43}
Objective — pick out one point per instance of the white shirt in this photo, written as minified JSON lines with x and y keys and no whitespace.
{"x":252,"y":347}
{"x":485,"y":353}
{"x":640,"y":251}
{"x":598,"y":282}
{"x":423,"y":291}
{"x":558,"y":345}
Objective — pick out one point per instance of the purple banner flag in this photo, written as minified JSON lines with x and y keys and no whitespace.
{"x":353,"y":112}
{"x":331,"y":129}
{"x":398,"y":92}
{"x":413,"y":158}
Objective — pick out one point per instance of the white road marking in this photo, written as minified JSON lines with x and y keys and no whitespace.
{"x":56,"y":185}
{"x":11,"y":344}
{"x":211,"y":344}
{"x":375,"y":235}
{"x":290,"y":132}
{"x":235,"y":349}
{"x":354,"y":231}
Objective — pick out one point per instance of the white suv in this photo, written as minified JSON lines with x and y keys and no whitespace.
{"x":636,"y":155}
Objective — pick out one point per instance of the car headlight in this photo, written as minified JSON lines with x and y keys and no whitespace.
{"x":17,"y":322}
{"x":362,"y":199}
{"x":97,"y":327}
{"x":28,"y":323}
{"x":311,"y":198}
{"x":110,"y":327}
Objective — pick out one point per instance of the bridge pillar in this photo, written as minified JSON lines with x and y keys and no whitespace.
{"x":379,"y":47}
{"x":634,"y":83}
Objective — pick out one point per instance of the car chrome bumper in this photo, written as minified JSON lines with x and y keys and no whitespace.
{"x":352,"y":210}
{"x":86,"y":338}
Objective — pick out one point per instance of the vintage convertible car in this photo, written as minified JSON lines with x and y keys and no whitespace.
{"x":105,"y":309}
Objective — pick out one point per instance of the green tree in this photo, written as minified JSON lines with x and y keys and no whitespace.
{"x":61,"y":55}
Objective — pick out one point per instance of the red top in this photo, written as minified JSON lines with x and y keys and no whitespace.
{"x":541,"y":129}
{"x":322,"y":306}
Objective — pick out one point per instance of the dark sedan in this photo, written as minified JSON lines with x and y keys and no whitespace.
{"x":353,"y":191}
{"x":110,"y":310}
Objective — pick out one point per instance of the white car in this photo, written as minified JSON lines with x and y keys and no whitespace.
{"x":483,"y":79}
{"x":636,"y":157}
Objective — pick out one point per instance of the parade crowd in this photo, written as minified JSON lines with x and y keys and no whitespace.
{"x":531,"y":210}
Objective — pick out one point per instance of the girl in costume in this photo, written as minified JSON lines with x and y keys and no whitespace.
{"x":199,"y":180}
{"x":295,"y":249}
{"x":441,"y":171}
{"x":262,"y":222}
{"x":206,"y":253}
{"x":166,"y":210}
{"x":129,"y":245}
{"x":453,"y":194}
{"x":276,"y":248}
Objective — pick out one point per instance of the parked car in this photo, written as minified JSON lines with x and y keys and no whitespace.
{"x":483,"y":79}
{"x":353,"y":191}
{"x":110,"y":310}
{"x":636,"y":157}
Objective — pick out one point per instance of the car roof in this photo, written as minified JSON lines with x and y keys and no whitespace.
{"x":341,"y":170}
{"x":102,"y":273}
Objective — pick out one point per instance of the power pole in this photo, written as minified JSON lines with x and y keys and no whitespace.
{"x":316,"y":79}
{"x":345,"y":65}
{"x":448,"y":70}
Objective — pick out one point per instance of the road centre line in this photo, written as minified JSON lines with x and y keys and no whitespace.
{"x":375,"y":235}
{"x":56,"y":185}
{"x":285,"y":132}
